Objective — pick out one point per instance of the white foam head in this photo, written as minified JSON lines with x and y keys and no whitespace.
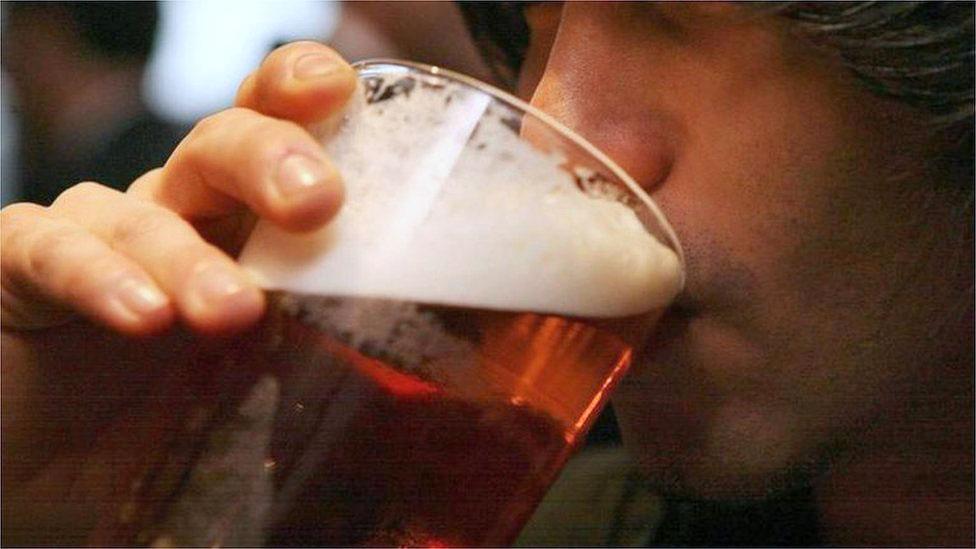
{"x":446,"y":204}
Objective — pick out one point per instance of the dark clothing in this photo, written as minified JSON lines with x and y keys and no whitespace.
{"x":143,"y":143}
{"x":789,"y":520}
{"x":600,"y":501}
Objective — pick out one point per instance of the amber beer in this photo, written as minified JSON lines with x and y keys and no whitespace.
{"x":450,"y":445}
{"x":432,"y":356}
{"x":392,"y":424}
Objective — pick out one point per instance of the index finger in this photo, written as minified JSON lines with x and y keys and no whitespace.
{"x":304,"y":82}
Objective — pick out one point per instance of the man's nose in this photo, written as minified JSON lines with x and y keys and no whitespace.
{"x":614,"y":107}
{"x":640,"y":140}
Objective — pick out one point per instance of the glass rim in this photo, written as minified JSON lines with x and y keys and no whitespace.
{"x":559,"y":127}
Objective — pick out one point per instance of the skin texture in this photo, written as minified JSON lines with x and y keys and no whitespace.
{"x":825,"y":334}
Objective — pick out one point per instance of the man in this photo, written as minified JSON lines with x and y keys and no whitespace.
{"x":823,"y":196}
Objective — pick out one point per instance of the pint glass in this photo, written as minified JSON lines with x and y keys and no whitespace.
{"x":433,"y":356}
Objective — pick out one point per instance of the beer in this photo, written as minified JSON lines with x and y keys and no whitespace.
{"x":391,"y":424}
{"x":433,"y":355}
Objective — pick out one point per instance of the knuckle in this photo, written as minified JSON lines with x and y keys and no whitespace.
{"x":46,"y":251}
{"x":145,"y":185}
{"x":17,"y":213}
{"x":206,"y":125}
{"x":138,"y":227}
{"x":209,"y":143}
{"x":18,"y":230}
{"x":213,"y":124}
{"x":217,"y":121}
{"x":82,"y":193}
{"x":191,"y":152}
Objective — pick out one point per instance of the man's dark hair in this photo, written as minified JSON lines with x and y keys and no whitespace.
{"x":121,"y":31}
{"x":920,"y":53}
{"x":500,"y":31}
{"x":917,"y":52}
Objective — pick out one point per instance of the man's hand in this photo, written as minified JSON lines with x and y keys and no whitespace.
{"x":136,"y":261}
{"x":93,"y":285}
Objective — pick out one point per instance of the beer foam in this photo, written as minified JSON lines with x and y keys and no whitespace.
{"x":447,"y":204}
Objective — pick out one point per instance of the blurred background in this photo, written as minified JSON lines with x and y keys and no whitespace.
{"x":104,"y":91}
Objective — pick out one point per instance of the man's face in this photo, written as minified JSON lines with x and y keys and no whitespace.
{"x":819,"y":270}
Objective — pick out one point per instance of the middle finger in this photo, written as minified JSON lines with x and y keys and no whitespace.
{"x":211,"y":292}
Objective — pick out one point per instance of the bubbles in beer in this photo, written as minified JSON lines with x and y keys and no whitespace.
{"x":448,"y":203}
{"x":406,"y":335}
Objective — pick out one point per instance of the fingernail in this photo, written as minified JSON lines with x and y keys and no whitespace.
{"x":298,"y":173}
{"x":215,"y":283}
{"x":220,"y":298}
{"x":140,"y":297}
{"x":314,"y":65}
